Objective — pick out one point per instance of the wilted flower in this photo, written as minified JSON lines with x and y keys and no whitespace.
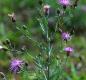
{"x":64,"y":2}
{"x":68,"y":50}
{"x":46,"y":9}
{"x":16,"y":65}
{"x":66,"y":36}
{"x":13,"y":17}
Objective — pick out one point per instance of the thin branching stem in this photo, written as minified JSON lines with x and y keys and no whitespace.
{"x":3,"y":75}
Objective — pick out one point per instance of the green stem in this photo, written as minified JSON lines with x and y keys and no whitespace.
{"x":3,"y":75}
{"x":49,"y":52}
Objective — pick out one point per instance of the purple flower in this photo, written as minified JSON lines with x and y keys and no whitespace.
{"x":16,"y":65}
{"x":66,"y":36}
{"x":68,"y":50}
{"x":12,"y":17}
{"x":64,"y":2}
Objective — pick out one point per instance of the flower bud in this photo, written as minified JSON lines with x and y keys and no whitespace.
{"x":46,"y":9}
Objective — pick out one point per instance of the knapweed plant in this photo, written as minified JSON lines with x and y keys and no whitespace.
{"x":54,"y":49}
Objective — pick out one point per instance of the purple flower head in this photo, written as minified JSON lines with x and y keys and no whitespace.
{"x":68,"y":50}
{"x":16,"y":65}
{"x":64,"y":2}
{"x":66,"y":36}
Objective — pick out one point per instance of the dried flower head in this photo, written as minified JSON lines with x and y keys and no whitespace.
{"x":66,"y":36}
{"x":46,"y":9}
{"x":16,"y":65}
{"x":13,"y":17}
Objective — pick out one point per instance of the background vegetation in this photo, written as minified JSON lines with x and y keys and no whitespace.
{"x":26,"y":12}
